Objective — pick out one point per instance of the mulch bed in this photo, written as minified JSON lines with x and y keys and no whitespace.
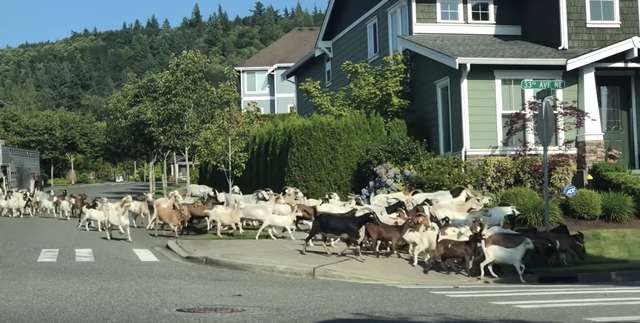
{"x":582,"y":225}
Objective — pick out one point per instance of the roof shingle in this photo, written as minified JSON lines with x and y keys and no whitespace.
{"x":289,"y":49}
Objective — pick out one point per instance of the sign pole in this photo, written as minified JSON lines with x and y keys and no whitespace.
{"x":545,"y":156}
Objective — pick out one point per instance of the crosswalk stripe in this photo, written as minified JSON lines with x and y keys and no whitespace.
{"x":48,"y":255}
{"x":614,"y":319}
{"x":145,"y":255}
{"x":576,"y":300}
{"x":569,"y":292}
{"x":84,"y":255}
{"x":529,"y":290}
{"x":578,"y":304}
{"x":418,"y":286}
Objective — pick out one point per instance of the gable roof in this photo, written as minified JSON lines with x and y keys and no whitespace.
{"x":289,"y":49}
{"x":452,"y":50}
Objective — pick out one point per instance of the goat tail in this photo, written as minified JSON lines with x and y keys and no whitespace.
{"x":414,"y":192}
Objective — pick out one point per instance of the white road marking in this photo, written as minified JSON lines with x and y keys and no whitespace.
{"x":575,"y":300}
{"x":84,"y":255}
{"x":507,"y":291}
{"x":578,"y":304}
{"x":418,"y":286}
{"x":544,"y":293}
{"x":48,"y":255}
{"x":145,"y":255}
{"x":614,"y":319}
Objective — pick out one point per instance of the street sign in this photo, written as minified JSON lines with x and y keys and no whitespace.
{"x":570,"y":191}
{"x":542,"y":84}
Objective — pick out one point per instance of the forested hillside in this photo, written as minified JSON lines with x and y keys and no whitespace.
{"x":78,"y":74}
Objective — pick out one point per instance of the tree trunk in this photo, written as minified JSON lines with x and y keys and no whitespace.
{"x":135,"y":170}
{"x":151,"y":177}
{"x":229,"y":170}
{"x":144,"y":173}
{"x":51,"y":175}
{"x":164,"y":174}
{"x":186,"y":159}
{"x":175,"y":167}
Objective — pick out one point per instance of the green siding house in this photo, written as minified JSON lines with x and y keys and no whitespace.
{"x":468,"y":57}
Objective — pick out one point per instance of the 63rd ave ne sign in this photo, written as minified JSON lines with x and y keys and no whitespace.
{"x":542,"y":84}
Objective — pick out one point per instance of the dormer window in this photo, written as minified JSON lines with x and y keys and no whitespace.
{"x":481,"y":11}
{"x":450,"y":11}
{"x":603,"y":13}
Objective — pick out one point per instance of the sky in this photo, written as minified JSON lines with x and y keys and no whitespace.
{"x":41,"y":20}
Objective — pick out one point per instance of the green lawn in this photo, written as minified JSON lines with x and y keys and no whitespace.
{"x":607,"y":250}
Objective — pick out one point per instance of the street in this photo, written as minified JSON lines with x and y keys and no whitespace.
{"x":51,"y":271}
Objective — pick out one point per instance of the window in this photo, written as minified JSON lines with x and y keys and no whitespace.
{"x":449,"y":10}
{"x":443,"y":96}
{"x":327,"y":71}
{"x":516,"y":124}
{"x":398,"y":25}
{"x":292,"y":108}
{"x":372,"y":39}
{"x":256,"y":82}
{"x":481,"y":11}
{"x":603,"y":13}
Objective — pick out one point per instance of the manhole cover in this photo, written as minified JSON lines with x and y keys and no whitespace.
{"x":211,"y":309}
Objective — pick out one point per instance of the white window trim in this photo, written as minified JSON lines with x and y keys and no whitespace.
{"x":396,"y":9}
{"x":529,"y":94}
{"x":604,"y":23}
{"x":440,"y":84}
{"x":460,"y":13}
{"x":328,"y":62}
{"x":375,"y":54}
{"x":247,"y":83}
{"x":492,"y":12}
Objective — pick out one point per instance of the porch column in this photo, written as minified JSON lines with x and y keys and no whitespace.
{"x":590,"y":141}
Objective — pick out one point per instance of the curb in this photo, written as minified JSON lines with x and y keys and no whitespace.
{"x":594,"y":277}
{"x":317,"y":273}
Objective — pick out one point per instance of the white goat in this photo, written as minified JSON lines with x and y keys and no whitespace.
{"x":141,"y":208}
{"x":223,"y":216}
{"x":495,"y":254}
{"x":117,"y":215}
{"x":493,"y":217}
{"x":286,"y":221}
{"x":458,"y":213}
{"x":422,"y":240}
{"x":65,"y":209}
{"x":96,"y":215}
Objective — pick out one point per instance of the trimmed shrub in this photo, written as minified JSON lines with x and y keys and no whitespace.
{"x":530,"y":205}
{"x":586,"y":205}
{"x":617,"y":207}
{"x":499,"y":173}
{"x":604,"y":178}
{"x":319,"y":154}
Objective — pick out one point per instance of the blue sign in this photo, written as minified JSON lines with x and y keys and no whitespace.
{"x":570,"y":191}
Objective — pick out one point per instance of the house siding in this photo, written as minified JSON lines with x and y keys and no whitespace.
{"x":541,"y":24}
{"x":507,"y":12}
{"x":423,"y":118}
{"x":582,"y":37}
{"x":312,"y":70}
{"x":352,"y":47}
{"x":345,"y":13}
{"x":482,"y":104}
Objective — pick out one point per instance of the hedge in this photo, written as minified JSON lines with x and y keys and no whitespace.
{"x":586,"y":205}
{"x":530,"y":205}
{"x":319,"y":154}
{"x":612,"y":177}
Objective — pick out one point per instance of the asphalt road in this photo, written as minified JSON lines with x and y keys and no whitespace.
{"x":81,"y":277}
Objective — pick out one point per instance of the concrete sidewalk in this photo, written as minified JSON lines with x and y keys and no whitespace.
{"x":284,"y":257}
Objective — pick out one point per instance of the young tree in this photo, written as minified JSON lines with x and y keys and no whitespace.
{"x":371,"y":89}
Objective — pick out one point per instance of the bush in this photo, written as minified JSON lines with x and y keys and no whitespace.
{"x":499,"y":173}
{"x":586,"y":205}
{"x":320,"y":154}
{"x":617,"y":207}
{"x":530,"y":205}
{"x":604,"y":177}
{"x":440,"y":173}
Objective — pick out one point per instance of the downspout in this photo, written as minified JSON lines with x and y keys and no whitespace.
{"x":464,"y":101}
{"x":564,"y":29}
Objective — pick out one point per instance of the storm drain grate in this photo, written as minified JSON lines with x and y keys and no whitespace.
{"x":211,"y":310}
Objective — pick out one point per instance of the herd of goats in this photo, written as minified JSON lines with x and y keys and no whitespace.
{"x":452,"y":229}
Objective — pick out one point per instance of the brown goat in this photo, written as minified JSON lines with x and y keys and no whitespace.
{"x":170,"y":213}
{"x":387,"y":233}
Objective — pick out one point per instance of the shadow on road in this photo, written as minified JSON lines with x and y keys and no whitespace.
{"x":434,"y":317}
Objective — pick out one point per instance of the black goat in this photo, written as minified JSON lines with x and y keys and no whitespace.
{"x":453,"y":250}
{"x":338,"y":224}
